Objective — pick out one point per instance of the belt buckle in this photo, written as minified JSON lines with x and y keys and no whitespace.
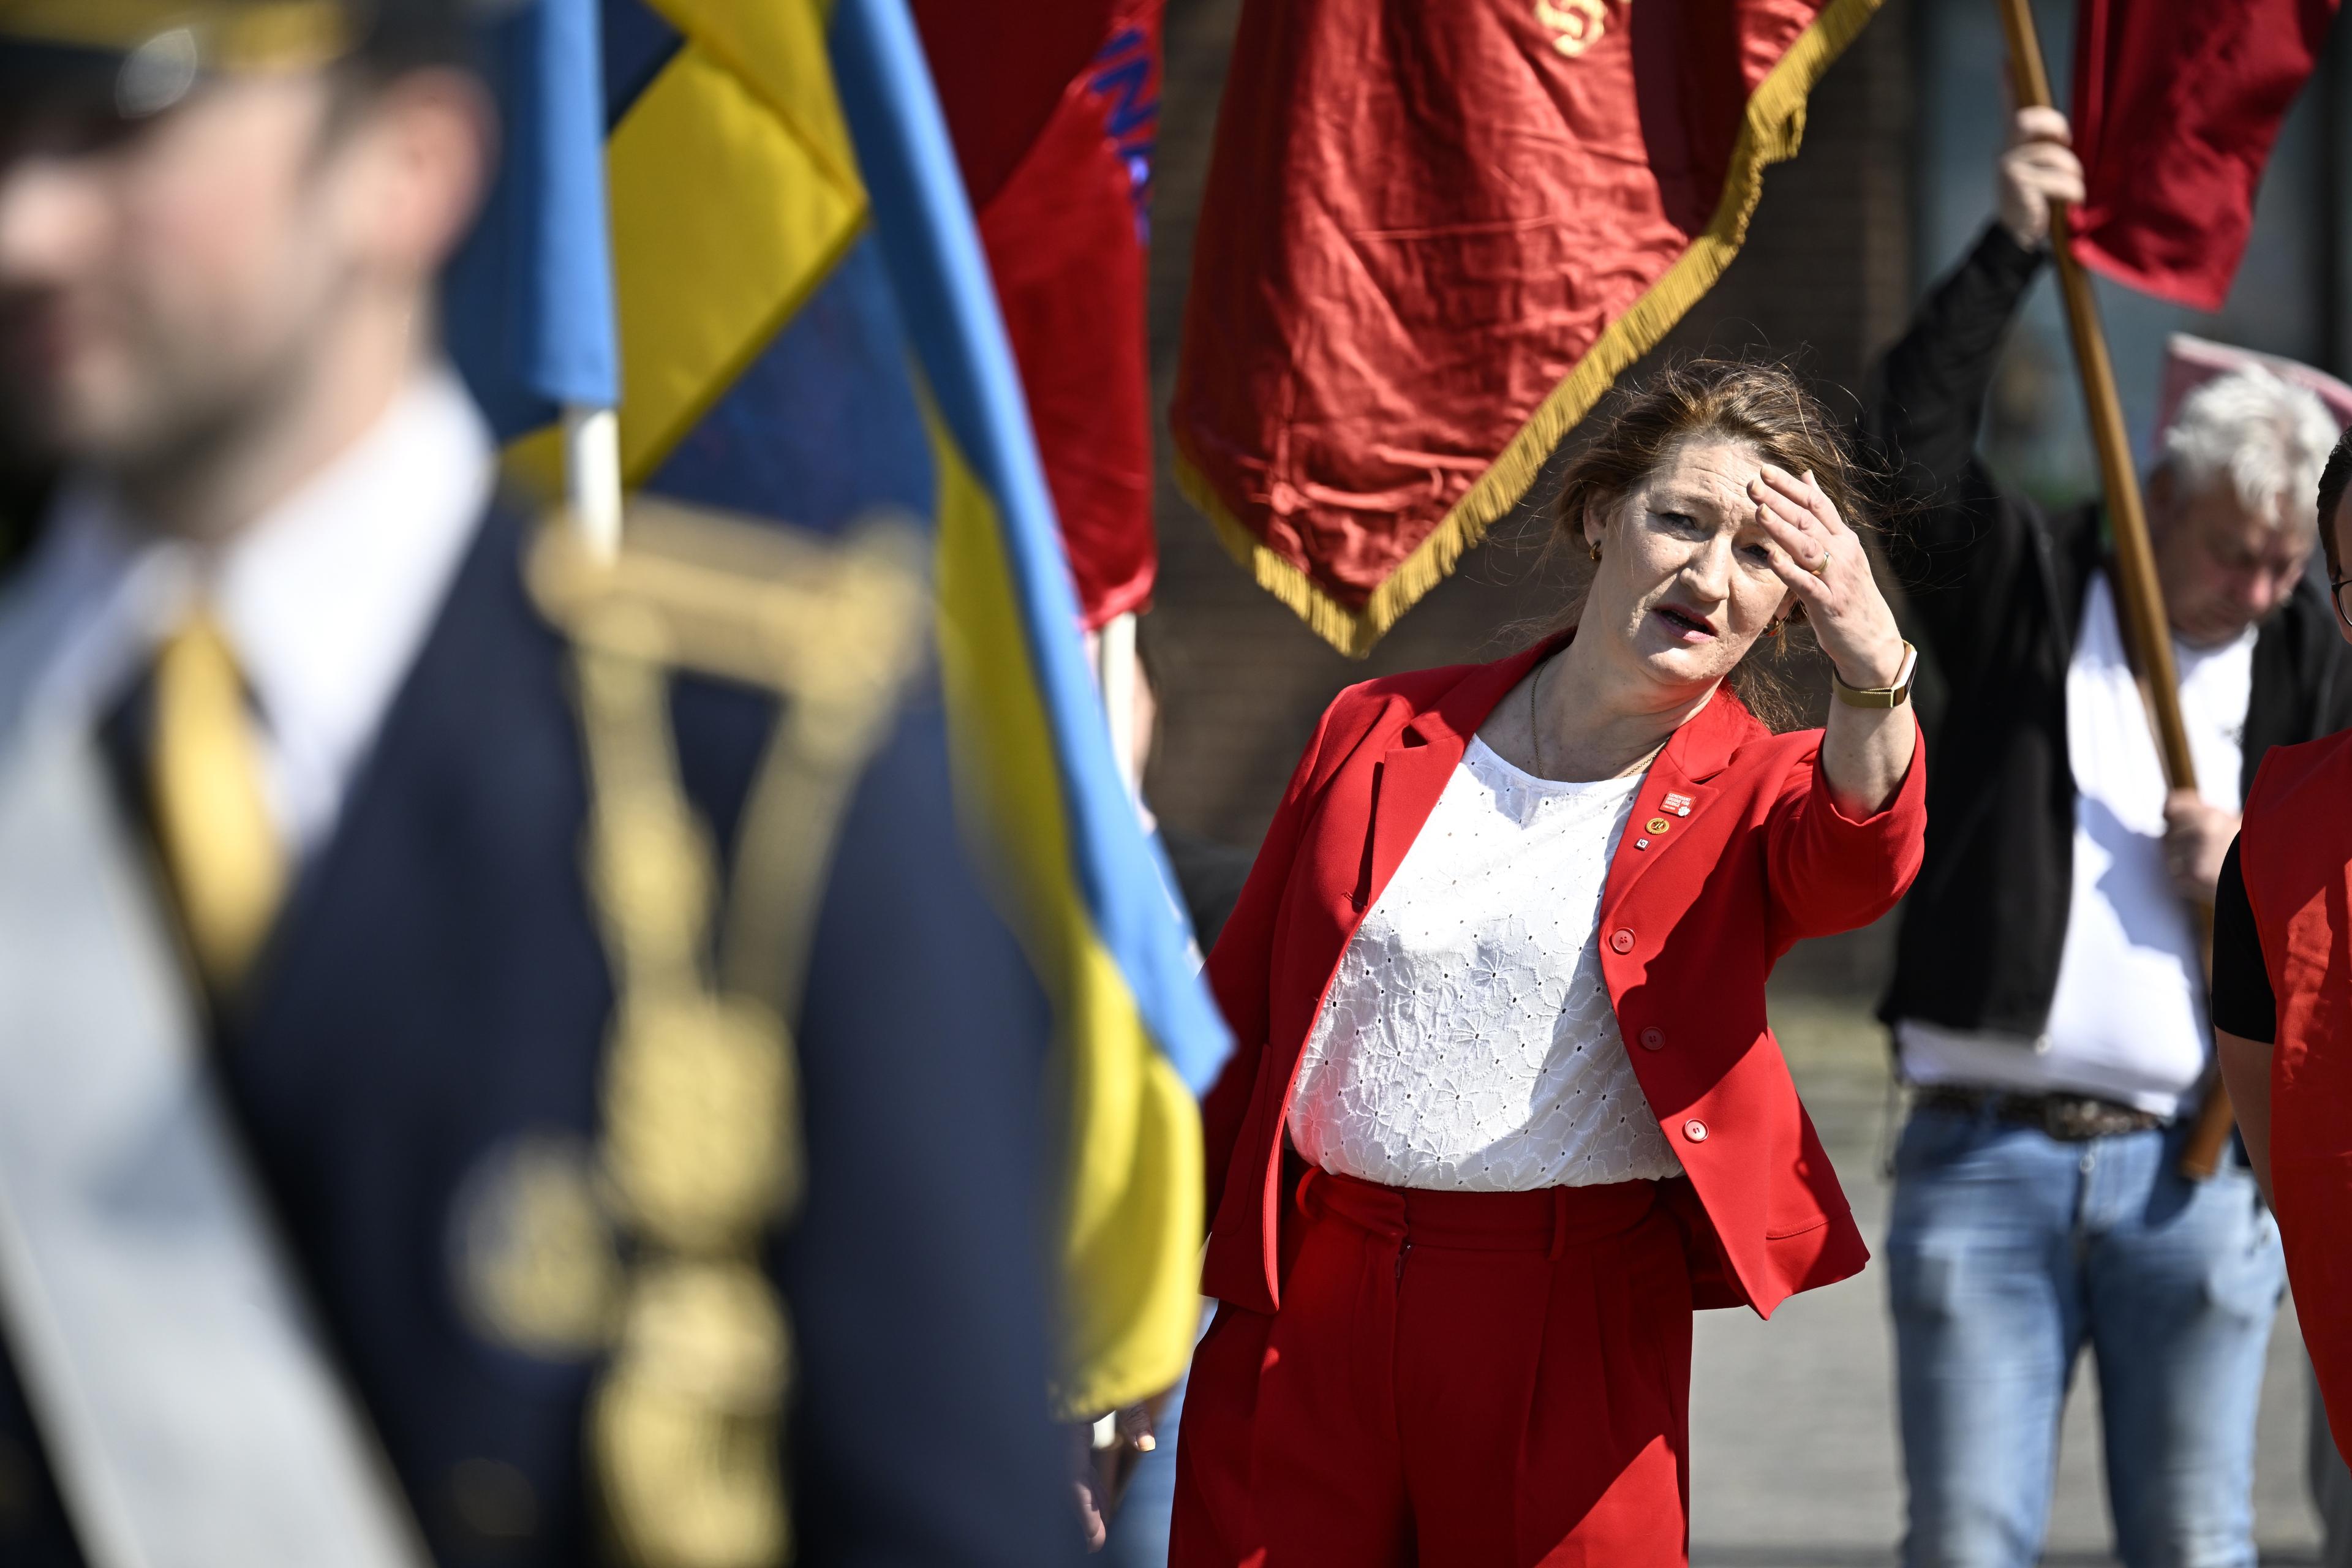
{"x":2068,"y":1120}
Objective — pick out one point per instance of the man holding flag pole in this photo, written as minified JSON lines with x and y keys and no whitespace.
{"x":2114,"y":680}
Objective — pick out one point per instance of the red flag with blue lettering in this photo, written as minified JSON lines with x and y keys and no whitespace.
{"x":1053,"y":105}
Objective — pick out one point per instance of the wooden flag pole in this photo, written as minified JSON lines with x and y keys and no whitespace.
{"x":2139,"y":599}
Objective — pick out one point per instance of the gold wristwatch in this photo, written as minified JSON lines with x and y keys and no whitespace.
{"x":1893,"y":695}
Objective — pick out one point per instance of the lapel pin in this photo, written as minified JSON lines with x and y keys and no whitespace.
{"x":1656,"y":825}
{"x":1679,"y":805}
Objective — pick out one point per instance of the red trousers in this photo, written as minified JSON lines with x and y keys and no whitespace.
{"x":1455,"y":1379}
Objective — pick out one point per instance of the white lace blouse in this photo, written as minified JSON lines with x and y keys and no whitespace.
{"x":1468,"y":1041}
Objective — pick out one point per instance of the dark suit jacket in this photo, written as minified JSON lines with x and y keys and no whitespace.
{"x":437,"y":990}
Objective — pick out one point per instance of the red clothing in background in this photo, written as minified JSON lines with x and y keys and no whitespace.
{"x":2295,"y":851}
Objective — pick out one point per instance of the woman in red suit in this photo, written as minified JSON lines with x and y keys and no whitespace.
{"x":1458,"y":1225}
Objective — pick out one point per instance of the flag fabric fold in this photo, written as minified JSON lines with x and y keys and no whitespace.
{"x":1052,"y":123}
{"x":810,"y":333}
{"x":1432,"y":237}
{"x":2176,"y":108}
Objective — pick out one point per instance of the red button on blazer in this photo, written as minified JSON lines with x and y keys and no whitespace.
{"x":1762,"y":859}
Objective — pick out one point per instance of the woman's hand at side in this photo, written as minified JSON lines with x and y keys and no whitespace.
{"x":1865,"y":752}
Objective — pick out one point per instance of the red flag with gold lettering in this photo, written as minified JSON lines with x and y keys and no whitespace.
{"x":1433,"y":234}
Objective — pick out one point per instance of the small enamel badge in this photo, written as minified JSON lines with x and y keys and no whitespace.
{"x":1679,"y":805}
{"x":1657,"y":825}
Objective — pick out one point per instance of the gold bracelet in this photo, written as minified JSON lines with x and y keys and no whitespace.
{"x":1893,"y":695}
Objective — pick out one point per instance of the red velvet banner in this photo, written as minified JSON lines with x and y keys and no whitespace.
{"x":1054,"y":106}
{"x":1434,"y":235}
{"x":2176,"y":108}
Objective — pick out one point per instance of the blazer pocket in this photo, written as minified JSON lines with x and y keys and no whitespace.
{"x":1783,"y":1232}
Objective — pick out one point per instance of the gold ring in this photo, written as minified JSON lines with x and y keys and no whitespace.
{"x":1818,"y":570}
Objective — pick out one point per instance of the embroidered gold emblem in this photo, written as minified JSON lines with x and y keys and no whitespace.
{"x":1575,"y":25}
{"x":700,"y":1161}
{"x":692,"y":1094}
{"x":686,"y":1423}
{"x":536,"y":1267}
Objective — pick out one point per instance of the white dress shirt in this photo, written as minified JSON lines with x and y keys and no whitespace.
{"x":1468,"y":1041}
{"x":2127,"y":1022}
{"x":326,"y":600}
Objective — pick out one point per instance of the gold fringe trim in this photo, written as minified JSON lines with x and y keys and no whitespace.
{"x":1771,"y":131}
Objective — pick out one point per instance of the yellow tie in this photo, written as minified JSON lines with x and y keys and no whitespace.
{"x":219,"y":844}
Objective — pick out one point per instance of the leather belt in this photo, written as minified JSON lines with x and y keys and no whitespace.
{"x":2068,"y":1118}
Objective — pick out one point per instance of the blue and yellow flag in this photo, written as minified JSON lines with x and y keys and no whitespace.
{"x":808,"y":333}
{"x":528,"y":301}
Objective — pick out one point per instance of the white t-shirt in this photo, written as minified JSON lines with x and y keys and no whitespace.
{"x":1468,"y":1041}
{"x":2128,"y":1023}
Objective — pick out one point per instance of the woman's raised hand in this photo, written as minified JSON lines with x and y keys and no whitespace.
{"x":1824,"y":565}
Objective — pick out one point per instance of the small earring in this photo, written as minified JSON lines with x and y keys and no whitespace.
{"x":1596,"y":552}
{"x":1774,"y":628}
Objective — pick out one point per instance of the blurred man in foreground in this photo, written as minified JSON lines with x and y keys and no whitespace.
{"x":317,"y":1237}
{"x":2048,"y":999}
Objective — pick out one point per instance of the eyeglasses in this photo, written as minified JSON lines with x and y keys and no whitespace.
{"x":2336,"y":587}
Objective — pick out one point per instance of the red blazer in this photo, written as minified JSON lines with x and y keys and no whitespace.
{"x":1690,"y":925}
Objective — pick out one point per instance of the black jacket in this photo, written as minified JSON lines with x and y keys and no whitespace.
{"x":1996,"y":588}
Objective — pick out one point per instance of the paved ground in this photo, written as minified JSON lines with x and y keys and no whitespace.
{"x":1794,"y":1461}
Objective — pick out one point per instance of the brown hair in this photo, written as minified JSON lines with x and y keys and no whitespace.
{"x":1757,"y":404}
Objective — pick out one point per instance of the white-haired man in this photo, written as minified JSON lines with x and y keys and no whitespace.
{"x":2048,"y":1002}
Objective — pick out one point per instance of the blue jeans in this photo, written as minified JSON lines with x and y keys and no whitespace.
{"x":2009,"y":1252}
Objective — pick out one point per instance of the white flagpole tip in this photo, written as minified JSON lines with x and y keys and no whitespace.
{"x":1115,"y":671}
{"x":591,"y":475}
